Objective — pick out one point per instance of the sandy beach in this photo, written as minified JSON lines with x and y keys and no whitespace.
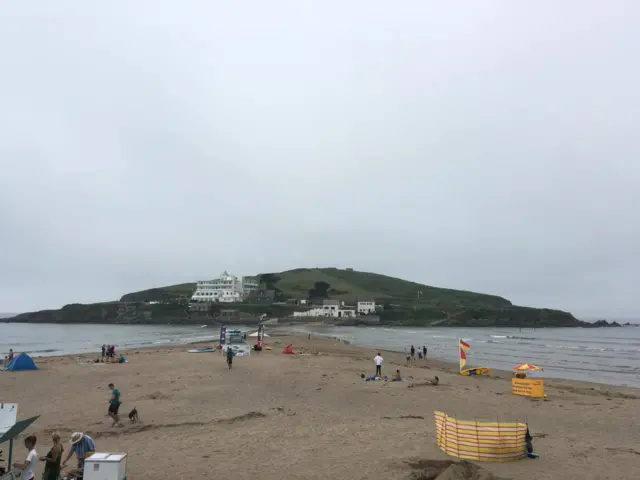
{"x":312,"y":416}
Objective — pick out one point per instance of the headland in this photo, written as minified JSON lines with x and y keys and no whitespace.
{"x":300,"y":295}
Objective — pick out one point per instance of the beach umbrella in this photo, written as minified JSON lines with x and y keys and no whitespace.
{"x":527,"y":367}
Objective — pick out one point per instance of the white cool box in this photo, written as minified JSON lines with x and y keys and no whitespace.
{"x":106,"y":466}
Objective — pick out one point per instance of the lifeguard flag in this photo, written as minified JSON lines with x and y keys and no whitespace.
{"x":463,"y":357}
{"x":464,"y":345}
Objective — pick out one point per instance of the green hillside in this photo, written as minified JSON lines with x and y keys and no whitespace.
{"x":349,"y":284}
{"x":401,"y":302}
{"x":161,"y":294}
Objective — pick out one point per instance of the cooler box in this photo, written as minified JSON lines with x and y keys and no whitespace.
{"x":106,"y":466}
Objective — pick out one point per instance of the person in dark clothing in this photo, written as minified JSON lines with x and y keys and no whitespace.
{"x":413,"y":352}
{"x":229,"y":357}
{"x":424,"y":352}
{"x":53,"y":459}
{"x":104,"y":351}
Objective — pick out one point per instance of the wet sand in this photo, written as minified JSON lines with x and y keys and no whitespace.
{"x":312,"y":416}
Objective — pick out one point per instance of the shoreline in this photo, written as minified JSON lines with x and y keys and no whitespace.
{"x":605,"y":357}
{"x":286,"y":332}
{"x":340,"y":347}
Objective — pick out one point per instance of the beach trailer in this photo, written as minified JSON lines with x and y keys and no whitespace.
{"x":235,"y":340}
{"x":106,"y":466}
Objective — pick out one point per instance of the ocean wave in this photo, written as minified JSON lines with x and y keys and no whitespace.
{"x":513,"y":337}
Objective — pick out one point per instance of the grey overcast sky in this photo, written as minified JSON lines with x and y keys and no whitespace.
{"x":489,"y":146}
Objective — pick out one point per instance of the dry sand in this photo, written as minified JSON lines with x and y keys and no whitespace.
{"x":311,"y":416}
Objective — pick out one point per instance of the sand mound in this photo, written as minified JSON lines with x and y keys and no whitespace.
{"x":428,"y":469}
{"x":466,"y":471}
{"x":449,"y":470}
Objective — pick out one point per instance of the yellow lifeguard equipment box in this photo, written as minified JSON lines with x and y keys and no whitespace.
{"x":528,"y":387}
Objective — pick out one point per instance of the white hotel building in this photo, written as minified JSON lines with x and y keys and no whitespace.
{"x":226,"y":288}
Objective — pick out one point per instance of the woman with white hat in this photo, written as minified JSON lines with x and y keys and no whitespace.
{"x":83,"y":446}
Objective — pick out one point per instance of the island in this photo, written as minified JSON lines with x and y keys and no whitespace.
{"x":299,"y":296}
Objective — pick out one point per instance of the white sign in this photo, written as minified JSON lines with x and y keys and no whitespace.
{"x":8,"y":416}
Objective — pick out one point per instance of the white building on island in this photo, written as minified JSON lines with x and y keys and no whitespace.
{"x":329,"y":308}
{"x":366,"y":307}
{"x":226,"y":288}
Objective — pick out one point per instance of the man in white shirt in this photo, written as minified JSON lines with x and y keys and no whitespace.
{"x":378,"y":359}
{"x":28,"y":468}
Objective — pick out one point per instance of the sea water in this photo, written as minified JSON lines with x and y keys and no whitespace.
{"x":603,"y":355}
{"x":49,"y":339}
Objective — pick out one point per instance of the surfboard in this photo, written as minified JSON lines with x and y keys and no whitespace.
{"x":468,"y":372}
{"x":201,"y":350}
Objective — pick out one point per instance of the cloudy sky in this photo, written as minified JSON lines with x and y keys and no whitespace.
{"x":474,"y":145}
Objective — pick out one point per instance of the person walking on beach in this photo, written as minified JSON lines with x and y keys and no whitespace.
{"x":424,"y":352}
{"x":114,"y":405}
{"x":52,"y":459}
{"x":378,"y":359}
{"x":28,"y":467}
{"x":413,"y":352}
{"x":229,"y":357}
{"x":104,"y":352}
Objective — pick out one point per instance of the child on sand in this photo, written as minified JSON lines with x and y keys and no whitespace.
{"x":28,"y":467}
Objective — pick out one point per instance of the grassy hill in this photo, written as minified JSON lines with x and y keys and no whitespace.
{"x":161,"y":294}
{"x":404,"y":302}
{"x":347,"y":285}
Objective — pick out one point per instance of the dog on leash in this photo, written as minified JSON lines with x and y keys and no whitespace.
{"x":133,"y":415}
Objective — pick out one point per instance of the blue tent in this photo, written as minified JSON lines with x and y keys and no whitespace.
{"x":22,"y":361}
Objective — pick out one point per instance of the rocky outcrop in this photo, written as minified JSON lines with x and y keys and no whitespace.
{"x":602,"y":324}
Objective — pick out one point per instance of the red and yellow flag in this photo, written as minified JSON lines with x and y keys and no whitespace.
{"x":464,"y":346}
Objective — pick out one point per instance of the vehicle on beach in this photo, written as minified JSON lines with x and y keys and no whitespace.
{"x":236,"y":339}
